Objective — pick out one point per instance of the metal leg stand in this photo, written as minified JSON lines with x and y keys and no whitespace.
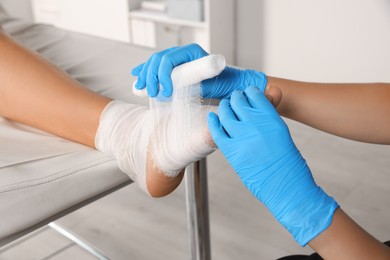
{"x":78,"y":241}
{"x":198,"y":211}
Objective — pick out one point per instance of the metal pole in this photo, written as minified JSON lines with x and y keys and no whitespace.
{"x":198,"y":211}
{"x":78,"y":241}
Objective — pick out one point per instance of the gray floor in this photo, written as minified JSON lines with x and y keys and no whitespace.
{"x":129,"y":225}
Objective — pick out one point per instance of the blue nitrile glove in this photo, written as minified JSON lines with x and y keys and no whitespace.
{"x":157,"y":70}
{"x":257,"y":143}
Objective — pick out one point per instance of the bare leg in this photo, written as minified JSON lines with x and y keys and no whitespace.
{"x":36,"y":93}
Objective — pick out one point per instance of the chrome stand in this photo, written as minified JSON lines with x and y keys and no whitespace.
{"x":197,"y":216}
{"x":197,"y":210}
{"x":78,"y":241}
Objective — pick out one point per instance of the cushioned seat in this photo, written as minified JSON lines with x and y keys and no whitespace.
{"x":43,"y":176}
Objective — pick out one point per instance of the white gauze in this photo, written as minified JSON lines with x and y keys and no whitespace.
{"x":175,"y":129}
{"x":180,"y":122}
{"x":124,"y":132}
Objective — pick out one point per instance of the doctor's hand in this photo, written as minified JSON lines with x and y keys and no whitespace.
{"x":257,"y":143}
{"x":157,"y":70}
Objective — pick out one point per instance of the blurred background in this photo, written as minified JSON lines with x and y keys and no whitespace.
{"x":319,"y":41}
{"x":322,"y":41}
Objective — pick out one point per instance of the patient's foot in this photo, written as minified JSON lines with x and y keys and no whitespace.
{"x":176,"y":143}
{"x":153,"y":155}
{"x":157,"y":182}
{"x":154,"y":145}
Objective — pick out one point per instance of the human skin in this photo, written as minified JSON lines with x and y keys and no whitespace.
{"x":359,"y":112}
{"x":36,"y":93}
{"x":345,"y":239}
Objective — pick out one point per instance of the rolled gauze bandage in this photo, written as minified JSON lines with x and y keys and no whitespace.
{"x":192,"y":72}
{"x":181,"y":123}
{"x":174,"y":132}
{"x":124,"y":133}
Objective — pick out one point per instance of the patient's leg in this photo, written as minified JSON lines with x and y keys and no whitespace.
{"x":131,"y":134}
{"x":36,"y":93}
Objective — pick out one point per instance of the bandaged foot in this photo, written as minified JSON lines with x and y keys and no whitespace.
{"x":154,"y":145}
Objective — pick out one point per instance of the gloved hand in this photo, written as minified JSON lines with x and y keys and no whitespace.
{"x":257,"y":143}
{"x":157,"y":70}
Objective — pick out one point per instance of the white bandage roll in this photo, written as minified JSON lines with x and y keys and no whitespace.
{"x":182,"y":122}
{"x":192,"y":72}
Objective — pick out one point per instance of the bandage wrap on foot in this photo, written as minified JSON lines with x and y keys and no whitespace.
{"x":124,"y":132}
{"x":173,"y":129}
{"x":180,"y":135}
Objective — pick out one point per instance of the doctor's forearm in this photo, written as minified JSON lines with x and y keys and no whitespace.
{"x":36,"y":93}
{"x":344,"y":239}
{"x":356,"y":111}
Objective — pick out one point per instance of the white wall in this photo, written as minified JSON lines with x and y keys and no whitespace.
{"x":18,"y":8}
{"x":313,"y":40}
{"x":249,"y":33}
{"x":327,"y":40}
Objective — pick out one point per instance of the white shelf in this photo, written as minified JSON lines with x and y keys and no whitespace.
{"x":160,"y":17}
{"x":155,"y":29}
